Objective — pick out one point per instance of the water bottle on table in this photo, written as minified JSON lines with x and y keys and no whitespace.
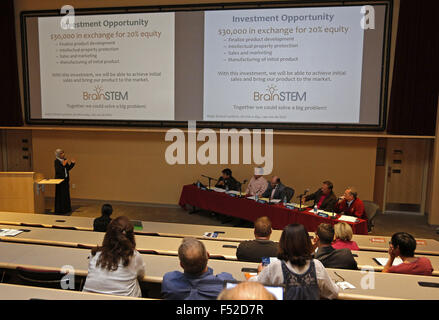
{"x":315,"y":209}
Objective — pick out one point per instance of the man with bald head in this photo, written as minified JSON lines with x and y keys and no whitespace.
{"x":246,"y":291}
{"x":275,"y":189}
{"x":197,"y":282}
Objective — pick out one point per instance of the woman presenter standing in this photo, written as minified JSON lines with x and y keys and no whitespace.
{"x":62,"y":193}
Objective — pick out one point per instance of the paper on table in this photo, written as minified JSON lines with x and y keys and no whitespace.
{"x":345,"y":285}
{"x":275,"y":200}
{"x":251,"y":198}
{"x":233,"y":192}
{"x":348,"y":218}
{"x":9,"y":232}
{"x":219,"y":190}
{"x":383,"y":261}
{"x":293,"y":204}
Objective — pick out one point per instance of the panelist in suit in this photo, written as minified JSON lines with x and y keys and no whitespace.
{"x":227,"y":181}
{"x":275,"y":189}
{"x":62,"y":192}
{"x":324,"y":198}
{"x":349,"y":204}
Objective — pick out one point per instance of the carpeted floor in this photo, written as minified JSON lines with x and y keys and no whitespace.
{"x":385,"y":224}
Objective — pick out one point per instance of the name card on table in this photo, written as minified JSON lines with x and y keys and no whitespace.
{"x":323,"y":213}
{"x":233,"y":193}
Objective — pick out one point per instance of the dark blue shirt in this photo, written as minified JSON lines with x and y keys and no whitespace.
{"x":183,"y":286}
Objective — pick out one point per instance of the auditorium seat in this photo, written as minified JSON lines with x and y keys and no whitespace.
{"x":372,"y":209}
{"x":289,"y":193}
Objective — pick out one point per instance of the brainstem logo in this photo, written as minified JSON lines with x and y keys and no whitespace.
{"x":99,"y":94}
{"x":272,"y":94}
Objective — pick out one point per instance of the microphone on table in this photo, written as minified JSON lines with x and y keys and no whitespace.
{"x":300,"y":198}
{"x":210,"y":179}
{"x":240,"y":185}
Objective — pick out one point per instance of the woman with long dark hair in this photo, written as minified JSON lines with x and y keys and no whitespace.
{"x":116,"y":266}
{"x":305,"y":278}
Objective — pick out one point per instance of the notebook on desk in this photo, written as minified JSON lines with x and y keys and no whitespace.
{"x":383,"y":261}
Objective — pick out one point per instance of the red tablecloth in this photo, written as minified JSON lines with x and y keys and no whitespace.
{"x":250,"y":210}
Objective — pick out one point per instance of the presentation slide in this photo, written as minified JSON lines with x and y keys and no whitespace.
{"x":278,"y":67}
{"x":283,"y":65}
{"x":110,"y":67}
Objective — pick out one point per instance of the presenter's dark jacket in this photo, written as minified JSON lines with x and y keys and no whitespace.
{"x":255,"y":250}
{"x":100,"y":224}
{"x":328,"y":204}
{"x":230,"y":182}
{"x":356,"y":209}
{"x":62,"y":192}
{"x":336,"y":258}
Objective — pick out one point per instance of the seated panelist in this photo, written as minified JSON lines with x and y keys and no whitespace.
{"x":349,"y":204}
{"x":275,"y":189}
{"x":258,"y":184}
{"x":227,"y":181}
{"x":324,"y":198}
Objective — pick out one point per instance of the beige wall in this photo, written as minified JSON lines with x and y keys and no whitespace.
{"x":132,"y":167}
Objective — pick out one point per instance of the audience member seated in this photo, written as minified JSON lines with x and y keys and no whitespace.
{"x":403,"y":245}
{"x":116,"y":266}
{"x":101,"y":223}
{"x":343,"y":237}
{"x":304,"y":277}
{"x":349,"y":204}
{"x":257,"y":184}
{"x":227,"y":181}
{"x":246,"y":291}
{"x":255,"y":250}
{"x":324,"y":198}
{"x":197,"y":282}
{"x":275,"y":189}
{"x":327,"y":255}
